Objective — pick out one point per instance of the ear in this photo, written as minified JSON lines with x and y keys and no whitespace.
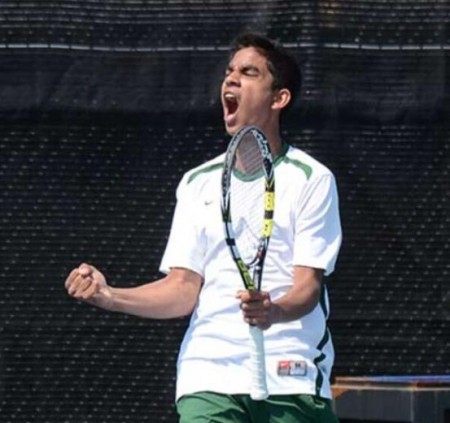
{"x":281,"y":99}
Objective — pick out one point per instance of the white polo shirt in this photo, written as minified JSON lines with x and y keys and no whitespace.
{"x":214,"y":354}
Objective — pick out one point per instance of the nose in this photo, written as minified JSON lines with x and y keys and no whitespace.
{"x":232,"y":79}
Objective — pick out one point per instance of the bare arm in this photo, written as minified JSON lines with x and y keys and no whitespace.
{"x":175,"y":295}
{"x":258,"y":309}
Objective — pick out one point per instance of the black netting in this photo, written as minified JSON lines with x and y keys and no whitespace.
{"x":104,"y":105}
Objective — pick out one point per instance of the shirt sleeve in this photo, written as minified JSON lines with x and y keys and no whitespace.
{"x":318,"y":234}
{"x":184,"y":247}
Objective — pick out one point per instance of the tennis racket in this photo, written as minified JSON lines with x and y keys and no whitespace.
{"x":248,"y":200}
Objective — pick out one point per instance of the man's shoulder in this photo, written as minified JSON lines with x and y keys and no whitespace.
{"x":204,"y":170}
{"x":305,"y":163}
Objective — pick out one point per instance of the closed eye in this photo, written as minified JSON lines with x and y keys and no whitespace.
{"x":250,"y":70}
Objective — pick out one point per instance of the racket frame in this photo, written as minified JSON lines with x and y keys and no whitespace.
{"x":251,"y":283}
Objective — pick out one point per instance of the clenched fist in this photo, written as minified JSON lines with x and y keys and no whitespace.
{"x":88,"y":284}
{"x":256,"y":308}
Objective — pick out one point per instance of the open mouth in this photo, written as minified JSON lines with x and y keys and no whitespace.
{"x":231,"y":104}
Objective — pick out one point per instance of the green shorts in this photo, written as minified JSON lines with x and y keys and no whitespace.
{"x":208,"y":407}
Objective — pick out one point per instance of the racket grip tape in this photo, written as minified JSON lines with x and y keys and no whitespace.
{"x":258,"y":387}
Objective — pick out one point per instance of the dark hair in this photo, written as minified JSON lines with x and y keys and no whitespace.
{"x":282,"y":65}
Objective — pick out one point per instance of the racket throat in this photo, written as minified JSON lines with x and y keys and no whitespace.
{"x":257,"y":268}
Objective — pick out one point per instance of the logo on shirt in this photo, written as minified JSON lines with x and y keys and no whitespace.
{"x":292,"y":368}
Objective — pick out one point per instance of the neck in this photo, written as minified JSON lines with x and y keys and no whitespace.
{"x":273,"y":136}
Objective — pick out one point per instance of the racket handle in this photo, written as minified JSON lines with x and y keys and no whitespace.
{"x":258,"y":387}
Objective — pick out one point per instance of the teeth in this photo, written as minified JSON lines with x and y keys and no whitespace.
{"x":230,"y":97}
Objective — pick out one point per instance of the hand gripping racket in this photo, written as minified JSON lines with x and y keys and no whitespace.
{"x":248,"y":200}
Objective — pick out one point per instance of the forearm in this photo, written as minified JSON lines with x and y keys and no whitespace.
{"x":163,"y":299}
{"x":292,"y":306}
{"x":258,"y":308}
{"x":301,"y":299}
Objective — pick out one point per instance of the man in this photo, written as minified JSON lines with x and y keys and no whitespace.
{"x":201,"y":279}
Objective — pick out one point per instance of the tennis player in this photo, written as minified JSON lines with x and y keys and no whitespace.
{"x":260,"y":83}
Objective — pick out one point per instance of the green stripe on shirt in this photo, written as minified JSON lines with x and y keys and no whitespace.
{"x":303,"y":166}
{"x":204,"y":170}
{"x":322,"y":343}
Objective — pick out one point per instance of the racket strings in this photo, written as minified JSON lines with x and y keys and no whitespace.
{"x":247,"y":199}
{"x":248,"y":161}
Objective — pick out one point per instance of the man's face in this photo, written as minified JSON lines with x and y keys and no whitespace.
{"x":247,"y":93}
